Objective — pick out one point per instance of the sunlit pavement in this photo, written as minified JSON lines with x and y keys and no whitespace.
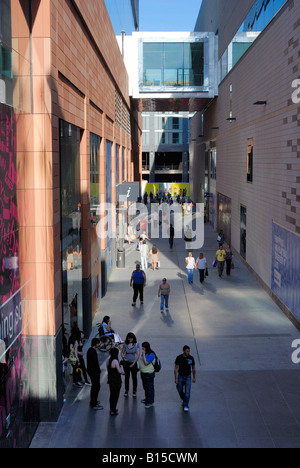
{"x":247,"y":388}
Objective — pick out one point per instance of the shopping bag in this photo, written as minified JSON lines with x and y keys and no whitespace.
{"x":215,"y":263}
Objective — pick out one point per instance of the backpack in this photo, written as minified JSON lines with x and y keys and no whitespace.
{"x":157,"y":365}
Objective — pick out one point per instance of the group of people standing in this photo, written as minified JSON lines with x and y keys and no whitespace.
{"x":134,"y":359}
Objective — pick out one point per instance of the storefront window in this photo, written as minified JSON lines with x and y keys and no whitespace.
{"x":95,"y":176}
{"x":71,"y":249}
{"x":109,"y":263}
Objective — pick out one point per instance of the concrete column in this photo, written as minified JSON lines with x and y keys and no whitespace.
{"x":185,"y":167}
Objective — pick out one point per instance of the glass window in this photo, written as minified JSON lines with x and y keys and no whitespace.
{"x":146,"y":138}
{"x":260,"y":15}
{"x":153,"y":64}
{"x":238,"y":50}
{"x":146,"y":122}
{"x":71,"y":224}
{"x":173,"y":64}
{"x":175,"y":138}
{"x":175,"y":123}
{"x":94,"y":175}
{"x":109,"y":253}
{"x":250,"y":160}
{"x":213,"y":164}
{"x":194,"y":64}
{"x":117,"y":164}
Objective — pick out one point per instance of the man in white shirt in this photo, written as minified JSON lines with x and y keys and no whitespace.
{"x":190,"y":266}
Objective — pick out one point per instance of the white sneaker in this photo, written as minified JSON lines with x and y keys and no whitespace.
{"x":186,"y":409}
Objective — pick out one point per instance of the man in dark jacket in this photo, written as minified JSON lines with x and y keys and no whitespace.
{"x":94,"y":372}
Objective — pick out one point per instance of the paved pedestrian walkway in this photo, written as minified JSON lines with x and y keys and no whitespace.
{"x":247,"y":388}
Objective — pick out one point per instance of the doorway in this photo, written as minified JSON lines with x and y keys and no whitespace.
{"x":243,"y":232}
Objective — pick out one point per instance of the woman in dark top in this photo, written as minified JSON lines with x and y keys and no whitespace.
{"x":114,"y":380}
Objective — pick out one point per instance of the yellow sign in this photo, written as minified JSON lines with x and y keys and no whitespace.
{"x":174,"y":189}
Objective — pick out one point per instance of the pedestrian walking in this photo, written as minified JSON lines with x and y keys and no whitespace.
{"x":229,"y":260}
{"x":184,"y":367}
{"x":94,"y":371}
{"x":201,"y":265}
{"x":114,"y":380}
{"x":220,"y":257}
{"x":221,"y":237}
{"x":190,"y":266}
{"x":148,"y":373}
{"x":188,"y":237}
{"x":164,"y":293}
{"x":144,"y":250}
{"x":154,"y":257}
{"x":130,"y":355}
{"x":138,"y":282}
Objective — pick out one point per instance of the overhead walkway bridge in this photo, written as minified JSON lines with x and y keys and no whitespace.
{"x":171,"y":71}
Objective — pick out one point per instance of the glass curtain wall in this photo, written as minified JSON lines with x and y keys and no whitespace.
{"x":71,"y":249}
{"x":173,"y":64}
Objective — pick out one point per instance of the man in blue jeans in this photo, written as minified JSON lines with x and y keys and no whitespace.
{"x":184,"y":367}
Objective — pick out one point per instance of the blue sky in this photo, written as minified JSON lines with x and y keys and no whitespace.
{"x":169,"y":15}
{"x":155,"y":15}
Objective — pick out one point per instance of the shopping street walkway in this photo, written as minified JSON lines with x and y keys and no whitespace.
{"x":247,"y":389}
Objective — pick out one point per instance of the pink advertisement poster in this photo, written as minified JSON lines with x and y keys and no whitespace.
{"x":18,"y":401}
